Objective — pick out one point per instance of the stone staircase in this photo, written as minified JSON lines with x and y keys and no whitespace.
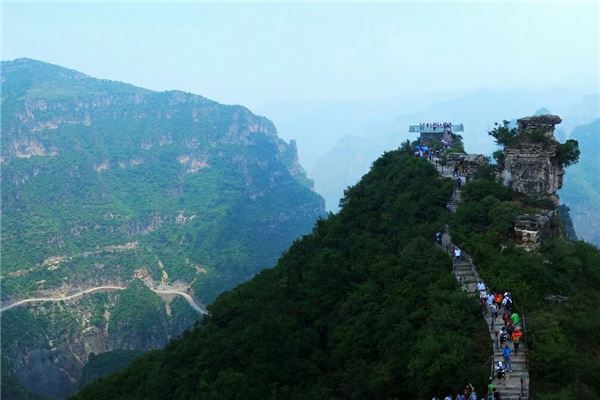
{"x":516,"y":384}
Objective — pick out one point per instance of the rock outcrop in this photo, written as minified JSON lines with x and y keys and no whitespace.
{"x":467,"y":165}
{"x":531,"y":166}
{"x":531,"y":229}
{"x":530,"y":163}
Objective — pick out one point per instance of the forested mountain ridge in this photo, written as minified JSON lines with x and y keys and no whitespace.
{"x":367,"y":307}
{"x":364,"y":307}
{"x":105,"y":183}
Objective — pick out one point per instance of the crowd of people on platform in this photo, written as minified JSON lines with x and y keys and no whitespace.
{"x":434,"y":126}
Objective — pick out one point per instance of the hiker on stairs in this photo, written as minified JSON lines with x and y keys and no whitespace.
{"x":490,"y":390}
{"x":516,"y":338}
{"x":510,"y":328}
{"x":507,"y":302}
{"x":438,"y":238}
{"x":505,"y":318}
{"x":457,"y":253}
{"x":498,"y":299}
{"x":501,"y":372}
{"x":496,"y":394}
{"x":502,"y":336}
{"x":515,"y":318}
{"x":494,"y":311}
{"x":481,"y":286}
{"x":506,"y":353}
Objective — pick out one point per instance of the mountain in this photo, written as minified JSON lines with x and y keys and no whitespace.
{"x":108,"y":184}
{"x":364,"y":307}
{"x":344,"y":165}
{"x":388,"y":127}
{"x":367,"y":307}
{"x":581,"y":191}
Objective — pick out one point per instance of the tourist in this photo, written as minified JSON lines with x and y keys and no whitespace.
{"x":496,"y":394}
{"x":505,"y":318}
{"x":510,"y":328}
{"x":458,"y":182}
{"x":506,"y":352}
{"x":515,"y":318}
{"x":490,"y":300}
{"x":482,"y":301}
{"x":502,"y":336}
{"x":490,"y":388}
{"x":501,"y":371}
{"x":438,"y":238}
{"x":494,"y":311}
{"x":480,"y":286}
{"x":469,"y":390}
{"x":457,"y":254}
{"x":498,"y":299}
{"x":516,"y":338}
{"x":507,"y":303}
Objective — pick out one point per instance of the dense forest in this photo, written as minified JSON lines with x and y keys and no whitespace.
{"x":364,"y":307}
{"x":556,"y":288}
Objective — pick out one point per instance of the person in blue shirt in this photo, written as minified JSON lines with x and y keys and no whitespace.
{"x":506,"y":352}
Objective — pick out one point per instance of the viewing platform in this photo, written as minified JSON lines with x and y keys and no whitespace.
{"x":436,"y":128}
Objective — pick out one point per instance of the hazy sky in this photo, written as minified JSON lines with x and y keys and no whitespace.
{"x":254,"y":53}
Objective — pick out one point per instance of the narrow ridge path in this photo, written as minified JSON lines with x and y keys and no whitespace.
{"x":516,"y":385}
{"x":199,"y":308}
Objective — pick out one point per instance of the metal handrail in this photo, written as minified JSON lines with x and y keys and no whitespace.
{"x":525,"y":393}
{"x":491,"y":361}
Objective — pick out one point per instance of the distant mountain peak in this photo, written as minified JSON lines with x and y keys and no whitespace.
{"x":543,"y":111}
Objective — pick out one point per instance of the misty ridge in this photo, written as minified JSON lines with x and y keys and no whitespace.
{"x":338,"y":141}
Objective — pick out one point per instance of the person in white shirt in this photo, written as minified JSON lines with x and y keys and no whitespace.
{"x":480,"y":286}
{"x":457,"y":253}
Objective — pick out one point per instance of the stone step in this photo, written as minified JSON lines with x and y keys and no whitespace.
{"x":472,"y":278}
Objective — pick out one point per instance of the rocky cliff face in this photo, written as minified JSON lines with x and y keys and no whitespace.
{"x":530,"y":163}
{"x":62,"y":336}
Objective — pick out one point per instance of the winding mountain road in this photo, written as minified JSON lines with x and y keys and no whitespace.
{"x":186,"y":296}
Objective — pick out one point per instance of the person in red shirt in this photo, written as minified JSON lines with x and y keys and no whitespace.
{"x":498,"y":299}
{"x":516,"y":338}
{"x":505,"y":318}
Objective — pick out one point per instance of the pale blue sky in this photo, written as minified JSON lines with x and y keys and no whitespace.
{"x":255,"y":53}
